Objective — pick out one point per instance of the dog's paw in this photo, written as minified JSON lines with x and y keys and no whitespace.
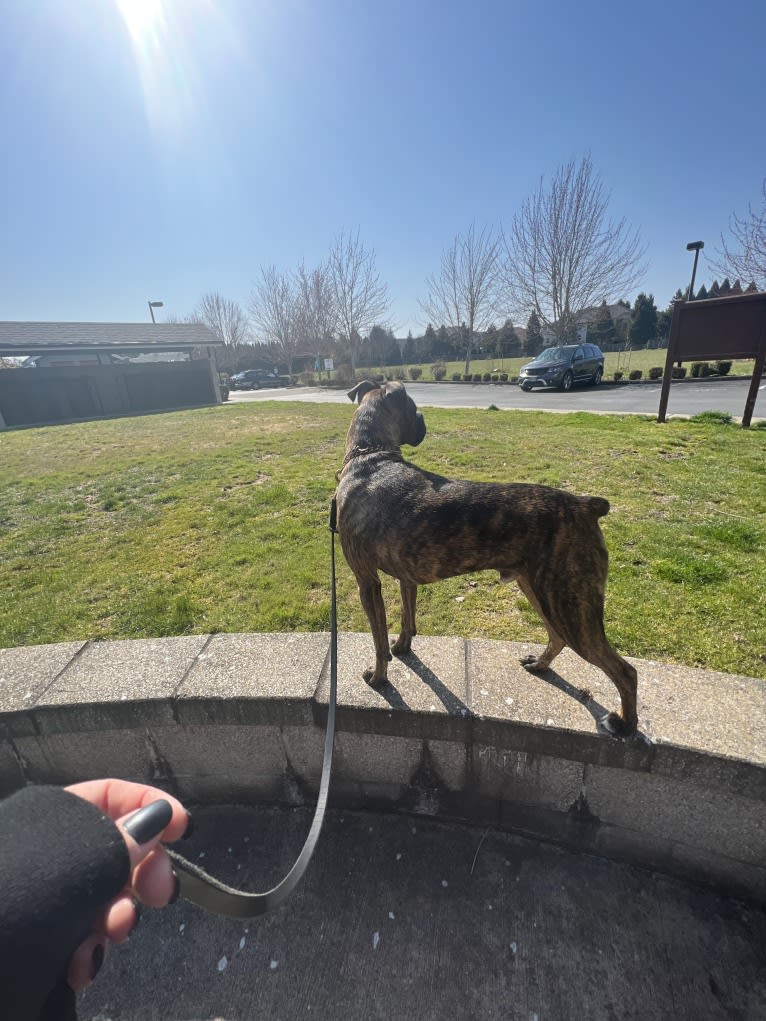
{"x":615,"y":726}
{"x":531,"y":663}
{"x":369,"y":677}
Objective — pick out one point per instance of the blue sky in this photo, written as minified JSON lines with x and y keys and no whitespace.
{"x":164,"y":148}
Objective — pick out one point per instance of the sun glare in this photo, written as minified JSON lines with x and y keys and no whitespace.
{"x":142,"y":17}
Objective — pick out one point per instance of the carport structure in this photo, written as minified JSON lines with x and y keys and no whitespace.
{"x":77,"y":371}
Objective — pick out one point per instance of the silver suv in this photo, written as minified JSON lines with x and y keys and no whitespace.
{"x":563,"y":367}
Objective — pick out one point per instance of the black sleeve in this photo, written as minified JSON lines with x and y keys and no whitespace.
{"x":61,"y":861}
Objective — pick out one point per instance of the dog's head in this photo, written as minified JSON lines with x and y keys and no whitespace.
{"x":398,"y":407}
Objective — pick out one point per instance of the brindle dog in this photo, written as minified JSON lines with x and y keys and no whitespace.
{"x":419,"y":527}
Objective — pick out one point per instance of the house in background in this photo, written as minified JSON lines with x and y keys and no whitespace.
{"x":586,"y":319}
{"x":67,"y":372}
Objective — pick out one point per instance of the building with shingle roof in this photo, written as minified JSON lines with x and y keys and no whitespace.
{"x":73,"y":371}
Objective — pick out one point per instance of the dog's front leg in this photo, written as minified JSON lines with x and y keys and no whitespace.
{"x":403,"y":643}
{"x":372,"y":600}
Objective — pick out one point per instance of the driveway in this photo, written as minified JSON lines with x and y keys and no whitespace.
{"x":687,"y":397}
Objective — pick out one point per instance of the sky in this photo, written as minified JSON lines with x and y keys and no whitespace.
{"x":162,"y":149}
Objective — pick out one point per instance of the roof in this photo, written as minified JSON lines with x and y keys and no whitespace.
{"x":34,"y":338}
{"x":616,"y":311}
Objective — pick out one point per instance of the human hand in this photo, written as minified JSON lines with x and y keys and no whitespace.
{"x":151,"y":881}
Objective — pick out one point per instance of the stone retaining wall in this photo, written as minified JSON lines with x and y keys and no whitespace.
{"x":462,"y":732}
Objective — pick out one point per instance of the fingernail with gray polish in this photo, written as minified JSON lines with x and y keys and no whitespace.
{"x":148,"y":821}
{"x":97,"y":960}
{"x":176,"y":889}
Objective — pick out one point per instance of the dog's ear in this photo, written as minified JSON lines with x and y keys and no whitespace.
{"x":361,"y":389}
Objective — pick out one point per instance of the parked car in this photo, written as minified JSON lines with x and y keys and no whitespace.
{"x":563,"y":367}
{"x":257,"y":379}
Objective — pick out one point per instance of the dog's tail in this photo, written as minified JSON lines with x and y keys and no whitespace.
{"x":597,"y":505}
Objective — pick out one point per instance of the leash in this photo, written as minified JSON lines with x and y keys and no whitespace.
{"x":204,"y":890}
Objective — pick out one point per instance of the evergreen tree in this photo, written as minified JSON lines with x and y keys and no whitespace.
{"x":715,"y":290}
{"x":602,"y":331}
{"x":490,"y":342}
{"x":509,"y":341}
{"x":429,"y":341}
{"x":701,"y":294}
{"x":725,"y":288}
{"x":643,"y":321}
{"x":534,"y":343}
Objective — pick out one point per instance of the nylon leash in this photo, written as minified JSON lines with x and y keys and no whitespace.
{"x":206,"y":891}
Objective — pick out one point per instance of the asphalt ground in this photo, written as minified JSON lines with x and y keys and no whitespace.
{"x":403,"y":917}
{"x":687,"y":397}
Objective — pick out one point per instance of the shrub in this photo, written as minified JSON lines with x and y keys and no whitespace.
{"x":495,"y":377}
{"x":617,"y":376}
{"x":306,"y":378}
{"x":697,"y":368}
{"x":467,"y":377}
{"x":679,"y":372}
{"x":439,"y":371}
{"x":635,"y":374}
{"x":415,"y":372}
{"x":477,"y":377}
{"x":503,"y":377}
{"x":399,"y":374}
{"x":723,"y":368}
{"x":712,"y":418}
{"x":456,"y":377}
{"x":343,"y":373}
{"x":655,"y":372}
{"x":707,"y":370}
{"x":487,"y":377}
{"x":379,"y":377}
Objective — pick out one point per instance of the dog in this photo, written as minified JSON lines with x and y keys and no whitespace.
{"x":419,"y":527}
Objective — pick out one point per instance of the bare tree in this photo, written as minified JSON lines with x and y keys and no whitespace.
{"x":360,"y":299}
{"x":274,"y":312}
{"x":744,"y":257}
{"x":224,"y":317}
{"x":468,"y":288}
{"x":316,"y":307}
{"x":564,"y":255}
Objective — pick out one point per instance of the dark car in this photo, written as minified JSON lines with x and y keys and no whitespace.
{"x":563,"y":367}
{"x":256,"y":379}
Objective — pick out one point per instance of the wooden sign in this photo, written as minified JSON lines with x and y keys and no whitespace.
{"x":732,"y":327}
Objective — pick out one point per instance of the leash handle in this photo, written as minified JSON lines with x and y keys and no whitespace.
{"x":206,"y":891}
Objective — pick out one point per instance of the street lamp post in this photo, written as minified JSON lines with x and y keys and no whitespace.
{"x":694,"y":246}
{"x":152,"y":306}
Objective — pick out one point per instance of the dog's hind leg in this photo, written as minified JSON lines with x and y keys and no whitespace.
{"x":372,"y":601}
{"x":403,"y":643}
{"x":555,"y":642}
{"x":624,"y":677}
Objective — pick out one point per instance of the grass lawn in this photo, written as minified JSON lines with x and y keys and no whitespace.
{"x":216,"y":520}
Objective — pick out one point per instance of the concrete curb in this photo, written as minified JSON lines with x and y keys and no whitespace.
{"x":461,"y":732}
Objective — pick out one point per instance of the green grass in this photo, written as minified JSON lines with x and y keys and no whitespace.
{"x":216,"y":520}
